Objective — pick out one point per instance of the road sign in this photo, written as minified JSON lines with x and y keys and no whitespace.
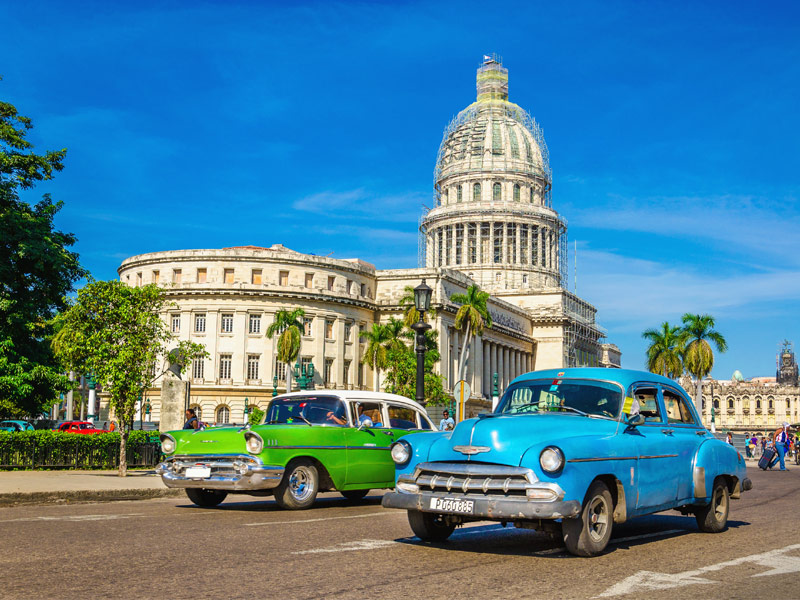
{"x":461,"y":393}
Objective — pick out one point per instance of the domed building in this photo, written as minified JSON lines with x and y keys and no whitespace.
{"x":492,"y":224}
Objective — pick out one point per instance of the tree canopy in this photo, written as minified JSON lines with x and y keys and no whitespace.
{"x":665,"y":352}
{"x":288,"y":326}
{"x":472,"y":316}
{"x":37,"y":271}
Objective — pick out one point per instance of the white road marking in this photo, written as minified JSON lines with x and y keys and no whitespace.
{"x":350,"y":546}
{"x":74,"y":518}
{"x":776,"y":560}
{"x":377,"y":514}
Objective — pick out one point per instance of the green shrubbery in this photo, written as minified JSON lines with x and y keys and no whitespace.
{"x":56,"y":449}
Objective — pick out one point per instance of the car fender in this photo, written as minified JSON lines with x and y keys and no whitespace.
{"x":420,"y":449}
{"x":713,"y":459}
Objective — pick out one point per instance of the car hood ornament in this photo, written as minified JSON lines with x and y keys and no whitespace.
{"x":470,"y":450}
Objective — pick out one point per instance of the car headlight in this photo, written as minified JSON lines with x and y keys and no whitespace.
{"x":253,"y":442}
{"x":551,"y":459}
{"x":168,"y":443}
{"x":401,"y":452}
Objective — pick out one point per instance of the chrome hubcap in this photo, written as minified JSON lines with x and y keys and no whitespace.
{"x":598,"y":518}
{"x":301,"y":484}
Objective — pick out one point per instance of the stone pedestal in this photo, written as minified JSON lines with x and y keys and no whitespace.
{"x":173,"y":402}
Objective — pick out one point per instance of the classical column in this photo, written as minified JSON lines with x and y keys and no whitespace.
{"x":476,"y":358}
{"x":486,"y":390}
{"x":494,"y":368}
{"x":444,"y":345}
{"x":456,"y":355}
{"x":518,"y":245}
{"x":504,"y":245}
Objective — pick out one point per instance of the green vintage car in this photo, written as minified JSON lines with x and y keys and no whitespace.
{"x":310,"y":442}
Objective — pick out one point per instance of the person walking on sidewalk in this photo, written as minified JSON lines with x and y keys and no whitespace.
{"x":191,"y":419}
{"x":781,"y":440}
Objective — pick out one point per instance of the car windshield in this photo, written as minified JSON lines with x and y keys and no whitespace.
{"x":86,"y":426}
{"x":304,"y":410}
{"x":580,"y":397}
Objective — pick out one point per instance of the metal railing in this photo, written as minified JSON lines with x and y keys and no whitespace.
{"x":30,"y":454}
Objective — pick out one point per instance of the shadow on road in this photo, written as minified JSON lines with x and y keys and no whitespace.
{"x":268,"y":504}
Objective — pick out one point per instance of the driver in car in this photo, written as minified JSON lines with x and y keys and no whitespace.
{"x":337,"y":415}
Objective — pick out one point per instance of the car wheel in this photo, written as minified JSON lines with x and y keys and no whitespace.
{"x":588,"y":534}
{"x":713,"y":517}
{"x":299,"y":486}
{"x":205,"y":498}
{"x":354,"y":495}
{"x":430,"y":527}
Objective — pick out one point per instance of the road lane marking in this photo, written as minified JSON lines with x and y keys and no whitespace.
{"x":73,"y":518}
{"x":376,"y":514}
{"x":776,"y":560}
{"x":350,"y":546}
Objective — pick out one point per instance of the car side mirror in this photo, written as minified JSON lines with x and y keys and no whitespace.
{"x":637,"y":419}
{"x":366,"y":424}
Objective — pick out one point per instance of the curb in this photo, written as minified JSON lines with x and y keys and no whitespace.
{"x":82,"y":496}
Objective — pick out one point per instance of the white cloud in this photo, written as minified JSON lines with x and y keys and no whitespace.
{"x":361,"y":203}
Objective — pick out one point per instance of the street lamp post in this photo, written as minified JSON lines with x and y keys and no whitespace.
{"x":422,"y":302}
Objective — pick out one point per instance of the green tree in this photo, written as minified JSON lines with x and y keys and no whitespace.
{"x":289,"y":327}
{"x":37,"y":272}
{"x":471,"y":318}
{"x":116,"y":332}
{"x":375,"y":356}
{"x":665,"y":352}
{"x":697,"y":336}
{"x":410,"y":312}
{"x":401,"y":371}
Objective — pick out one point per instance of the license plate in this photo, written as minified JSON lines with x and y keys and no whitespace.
{"x":452,"y":505}
{"x":198,"y":472}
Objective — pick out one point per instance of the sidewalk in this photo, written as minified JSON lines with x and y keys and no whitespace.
{"x":48,"y":487}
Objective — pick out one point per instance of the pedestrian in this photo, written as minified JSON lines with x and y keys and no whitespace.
{"x":191,"y":419}
{"x":763,"y":444}
{"x":729,"y":438}
{"x":447,"y":423}
{"x":113,"y":426}
{"x":781,"y":441}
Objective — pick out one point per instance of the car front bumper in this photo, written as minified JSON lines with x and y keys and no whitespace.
{"x":491,"y":509}
{"x":234,"y":473}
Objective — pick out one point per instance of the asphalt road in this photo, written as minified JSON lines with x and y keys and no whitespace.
{"x":168,"y":548}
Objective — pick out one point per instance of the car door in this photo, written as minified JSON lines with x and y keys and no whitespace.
{"x":656,"y":486}
{"x":368,"y":459}
{"x":685,"y":436}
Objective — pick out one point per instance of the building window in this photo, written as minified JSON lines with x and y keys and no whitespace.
{"x":516,"y":193}
{"x":498,"y":242}
{"x":458,"y":193}
{"x":228,"y":274}
{"x":476,"y":192}
{"x":202,"y":275}
{"x":175,"y":326}
{"x":348,"y":331}
{"x":730,"y":403}
{"x":363,"y":289}
{"x":309,"y":280}
{"x":255,"y":276}
{"x":200,"y":323}
{"x":361,"y":333}
{"x":328,"y":371}
{"x":331,"y":281}
{"x":758,"y":403}
{"x":283,"y":278}
{"x":349,"y":286}
{"x":155,"y":276}
{"x":524,"y":279}
{"x":226,"y":323}
{"x":254,"y":326}
{"x":346,"y":375}
{"x":176,"y":275}
{"x":279,"y":369}
{"x":223,"y":415}
{"x":252,"y":366}
{"x":139,"y":279}
{"x":224,"y":366}
{"x":198,"y":411}
{"x":497,"y":192}
{"x":328,"y":329}
{"x":769,"y":404}
{"x":307,"y":326}
{"x":198,"y":365}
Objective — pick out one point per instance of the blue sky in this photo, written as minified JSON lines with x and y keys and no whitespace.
{"x":673,"y":132}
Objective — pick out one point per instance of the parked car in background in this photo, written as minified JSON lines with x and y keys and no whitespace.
{"x":83,"y":427}
{"x":310,"y":442}
{"x":15,"y":426}
{"x":571,"y":452}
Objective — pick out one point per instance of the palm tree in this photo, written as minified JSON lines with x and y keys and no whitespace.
{"x":375,"y":354}
{"x":288,"y":326}
{"x":665,"y":353}
{"x":472,"y":317}
{"x":698,"y":357}
{"x":395,"y":332}
{"x":410,"y":312}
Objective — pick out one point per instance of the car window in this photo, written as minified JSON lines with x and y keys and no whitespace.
{"x":424,"y":423}
{"x":368,"y":410}
{"x":676,"y":409}
{"x":562,"y":395}
{"x":298,"y":410}
{"x":402,"y":417}
{"x":647,"y":399}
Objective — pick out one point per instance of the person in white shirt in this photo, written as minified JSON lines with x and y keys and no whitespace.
{"x":447,"y":423}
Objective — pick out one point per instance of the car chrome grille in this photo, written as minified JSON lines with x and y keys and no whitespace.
{"x":474,"y":479}
{"x":220,"y":465}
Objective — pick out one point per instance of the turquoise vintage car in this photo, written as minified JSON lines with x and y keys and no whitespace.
{"x":309,"y":442}
{"x":572,"y":452}
{"x":15,"y":426}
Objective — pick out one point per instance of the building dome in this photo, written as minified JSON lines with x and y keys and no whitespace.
{"x":492,"y":217}
{"x":737,"y":376}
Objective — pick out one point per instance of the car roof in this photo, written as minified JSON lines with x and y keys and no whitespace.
{"x":625,"y":377}
{"x":357,"y":395}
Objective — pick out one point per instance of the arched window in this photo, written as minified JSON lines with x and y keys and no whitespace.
{"x":198,"y":411}
{"x":703,"y":404}
{"x":531,"y":195}
{"x":716,"y":403}
{"x":447,"y":196}
{"x":517,"y":192}
{"x":788,"y":404}
{"x":769,"y":404}
{"x":458,"y":194}
{"x":497,"y":192}
{"x":223,"y":414}
{"x":476,"y":192}
{"x":730,"y":402}
{"x":758,"y":403}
